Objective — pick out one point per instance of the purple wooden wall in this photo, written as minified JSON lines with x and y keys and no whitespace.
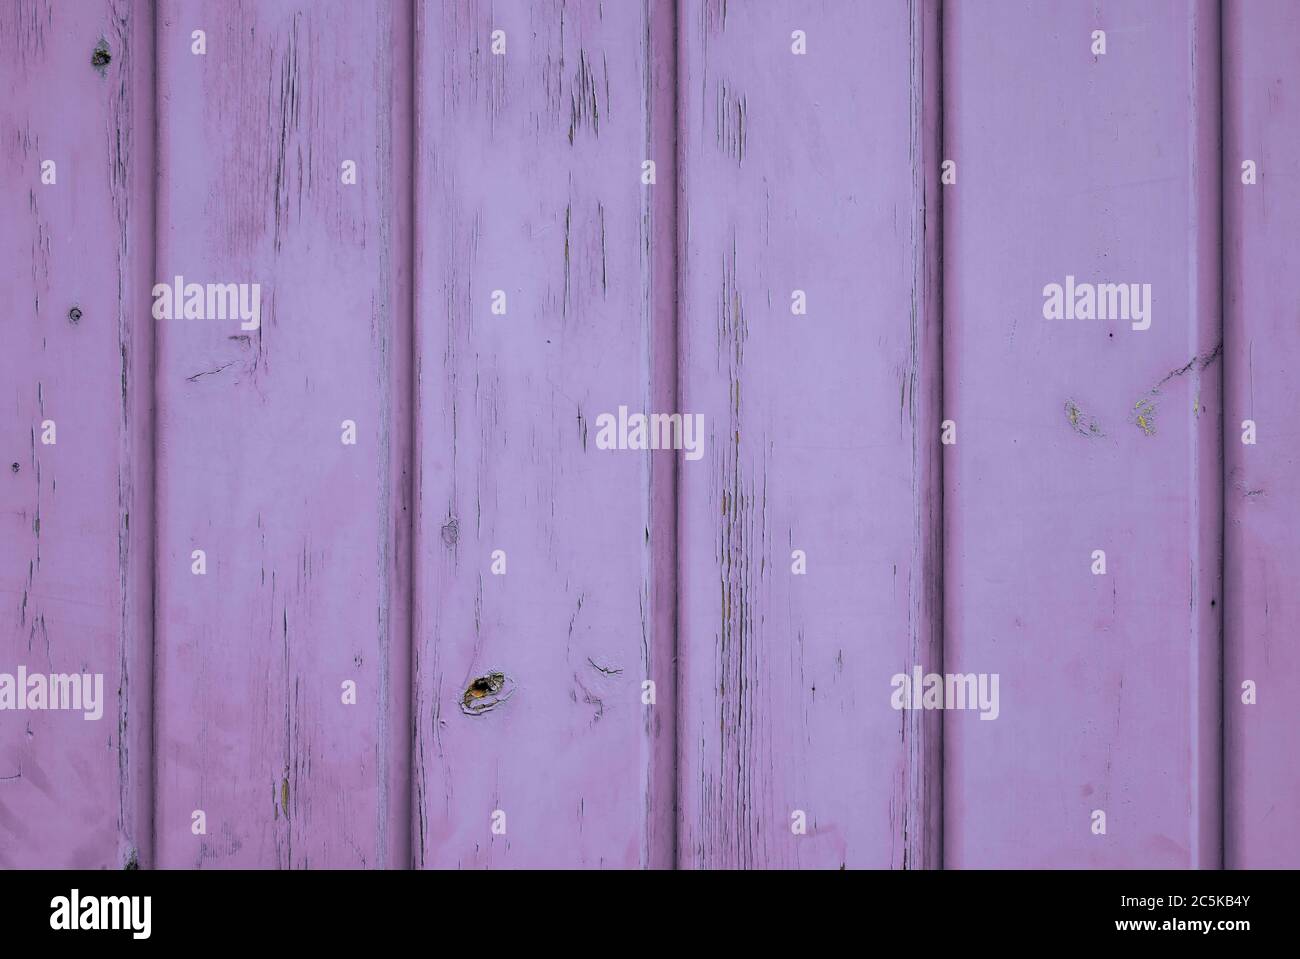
{"x":500,"y":591}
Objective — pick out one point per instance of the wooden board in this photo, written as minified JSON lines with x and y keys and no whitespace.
{"x":1077,"y":435}
{"x":529,"y":167}
{"x":76,"y":513}
{"x":810,"y":172}
{"x":1261,"y":348}
{"x":306,"y":581}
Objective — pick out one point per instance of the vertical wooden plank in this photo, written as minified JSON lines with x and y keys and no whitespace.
{"x":529,"y":163}
{"x":1261,"y":349}
{"x":306,"y":578}
{"x":75,"y":568}
{"x":809,"y":172}
{"x":1076,"y":435}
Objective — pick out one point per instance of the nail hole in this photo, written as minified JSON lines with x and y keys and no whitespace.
{"x":101,"y":58}
{"x":15,"y":467}
{"x":74,"y":314}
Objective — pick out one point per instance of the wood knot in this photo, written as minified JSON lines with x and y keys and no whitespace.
{"x":486,"y":693}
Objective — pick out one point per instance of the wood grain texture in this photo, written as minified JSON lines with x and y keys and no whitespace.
{"x":811,"y":172}
{"x":528,"y":166}
{"x":306,"y":584}
{"x":520,"y":170}
{"x":1078,"y":435}
{"x":1261,"y":349}
{"x":75,"y":515}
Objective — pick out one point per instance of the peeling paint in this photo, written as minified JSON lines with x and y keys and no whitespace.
{"x":1081,"y":422}
{"x":1144,"y":410}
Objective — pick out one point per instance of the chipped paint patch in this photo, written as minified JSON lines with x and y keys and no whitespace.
{"x":450,"y":532}
{"x":1144,"y":410}
{"x":1081,"y":422}
{"x":1144,"y":415}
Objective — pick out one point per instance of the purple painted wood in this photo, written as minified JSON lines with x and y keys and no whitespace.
{"x":383,"y":171}
{"x":303,"y":534}
{"x":543,"y":299}
{"x":1261,"y":348}
{"x":1083,"y":435}
{"x":75,"y":513}
{"x":808,"y":174}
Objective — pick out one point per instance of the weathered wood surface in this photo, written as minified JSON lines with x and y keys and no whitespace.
{"x":305,"y":537}
{"x":521,"y":171}
{"x":1082,"y":435}
{"x":1262,"y":481}
{"x":76,"y":514}
{"x":528,"y":166}
{"x":812,"y":173}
